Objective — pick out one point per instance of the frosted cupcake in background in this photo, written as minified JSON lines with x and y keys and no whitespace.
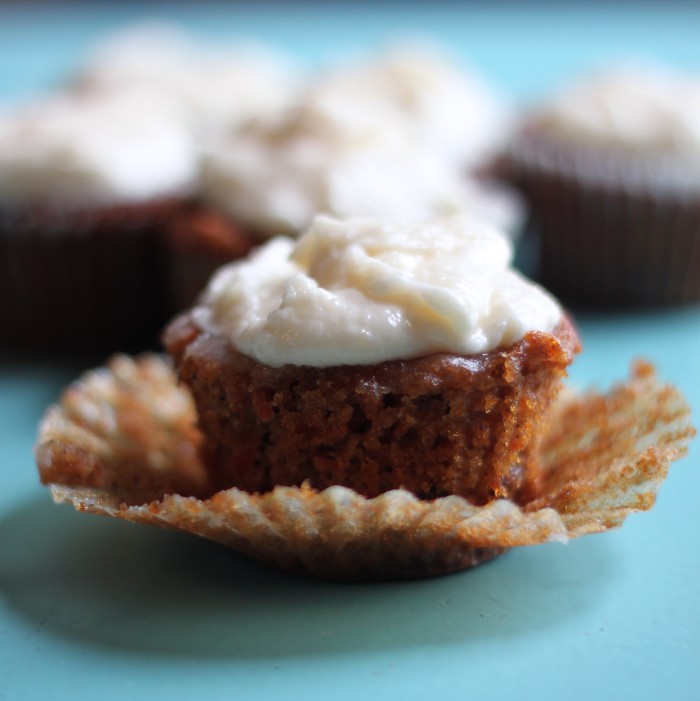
{"x":341,"y":157}
{"x":337,"y":151}
{"x":610,"y":168}
{"x":94,"y":180}
{"x":220,"y":86}
{"x":449,"y":109}
{"x":217,"y":88}
{"x":87,"y":184}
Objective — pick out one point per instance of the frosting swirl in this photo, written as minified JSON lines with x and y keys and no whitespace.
{"x":364,"y":291}
{"x":650,"y":111}
{"x":121,"y":147}
{"x":218,"y":87}
{"x":450,"y":110}
{"x":343,"y":157}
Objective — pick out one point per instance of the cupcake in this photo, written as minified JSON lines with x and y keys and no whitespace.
{"x":375,"y":355}
{"x":342,"y":158}
{"x":87,"y":184}
{"x":217,"y":89}
{"x":610,"y":169}
{"x":331,"y":155}
{"x":451,"y":110}
{"x":347,"y":149}
{"x":123,"y":443}
{"x":366,"y":140}
{"x":218,"y":86}
{"x":365,"y":359}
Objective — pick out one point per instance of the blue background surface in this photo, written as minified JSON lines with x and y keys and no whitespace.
{"x":95,"y":608}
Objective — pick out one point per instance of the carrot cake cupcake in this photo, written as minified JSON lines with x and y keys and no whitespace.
{"x":395,"y":137}
{"x":373,"y":401}
{"x":338,"y":155}
{"x":218,"y":89}
{"x":449,"y":109}
{"x":86,"y":186}
{"x":610,"y":168}
{"x":329,"y":154}
{"x":375,"y":355}
{"x":218,"y":86}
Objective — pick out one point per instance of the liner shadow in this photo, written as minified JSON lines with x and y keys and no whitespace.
{"x":120,"y":585}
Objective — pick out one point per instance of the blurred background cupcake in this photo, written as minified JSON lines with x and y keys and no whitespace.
{"x":399,"y":136}
{"x":86,"y":184}
{"x":451,"y":109}
{"x":610,"y":168}
{"x":97,"y":179}
{"x":219,"y":86}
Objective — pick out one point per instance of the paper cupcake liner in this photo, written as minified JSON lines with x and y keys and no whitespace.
{"x":82,"y":281}
{"x":123,"y":443}
{"x":611,"y":236}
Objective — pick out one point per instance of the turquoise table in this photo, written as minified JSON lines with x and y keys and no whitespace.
{"x":91,"y":608}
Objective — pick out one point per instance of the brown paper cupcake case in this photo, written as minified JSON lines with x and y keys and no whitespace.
{"x":122,"y":443}
{"x":609,"y":235}
{"x":82,"y":281}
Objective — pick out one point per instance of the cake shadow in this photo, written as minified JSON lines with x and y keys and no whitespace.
{"x":106,"y":583}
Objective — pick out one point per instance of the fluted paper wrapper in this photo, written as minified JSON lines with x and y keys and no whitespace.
{"x":82,"y":281}
{"x":123,"y":443}
{"x":611,"y":234}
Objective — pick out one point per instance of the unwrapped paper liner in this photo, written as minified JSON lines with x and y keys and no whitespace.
{"x":123,"y":443}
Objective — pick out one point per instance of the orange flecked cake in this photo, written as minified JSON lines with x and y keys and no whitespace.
{"x":438,"y":421}
{"x":436,"y":425}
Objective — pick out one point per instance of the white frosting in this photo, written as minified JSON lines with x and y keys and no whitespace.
{"x":450,"y":110}
{"x":219,"y":86}
{"x":365,"y":291}
{"x":114,"y":148}
{"x":341,"y":157}
{"x":650,"y":110}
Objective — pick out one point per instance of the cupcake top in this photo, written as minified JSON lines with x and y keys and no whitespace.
{"x":646,"y":111}
{"x":220,"y":87}
{"x":364,"y":291}
{"x":450,"y":110}
{"x":79,"y":151}
{"x":338,"y":156}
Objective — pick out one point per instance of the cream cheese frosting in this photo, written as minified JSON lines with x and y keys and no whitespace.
{"x":363,"y":291}
{"x":220,"y":87}
{"x":643,"y":110}
{"x":121,"y":147}
{"x":449,"y":109}
{"x":342,"y":157}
